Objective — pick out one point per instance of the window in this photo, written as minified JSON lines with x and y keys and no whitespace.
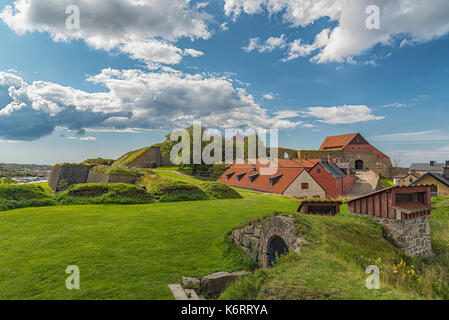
{"x":404,"y":197}
{"x":275,"y":179}
{"x":253,"y":177}
{"x":253,"y":170}
{"x":240,"y":176}
{"x":410,"y":179}
{"x":304,"y":186}
{"x":322,"y":210}
{"x":229,"y":175}
{"x":318,"y":170}
{"x":286,"y":156}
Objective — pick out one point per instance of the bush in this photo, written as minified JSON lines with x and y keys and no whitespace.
{"x":177,"y":191}
{"x":219,"y":190}
{"x":103,"y":193}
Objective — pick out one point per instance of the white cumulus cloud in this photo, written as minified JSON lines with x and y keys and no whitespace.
{"x":402,"y":22}
{"x":144,"y":29}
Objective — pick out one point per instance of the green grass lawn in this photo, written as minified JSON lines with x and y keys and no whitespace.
{"x":135,"y":251}
{"x":123,"y":252}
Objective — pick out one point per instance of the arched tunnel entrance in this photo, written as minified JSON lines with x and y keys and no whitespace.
{"x":359,"y":165}
{"x":276,"y":248}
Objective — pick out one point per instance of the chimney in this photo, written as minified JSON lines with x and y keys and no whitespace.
{"x":432,"y":163}
{"x":446,"y":169}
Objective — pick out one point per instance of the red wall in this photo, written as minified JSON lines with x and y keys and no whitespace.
{"x":334,"y":188}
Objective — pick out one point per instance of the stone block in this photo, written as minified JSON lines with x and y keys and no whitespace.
{"x":214,"y":284}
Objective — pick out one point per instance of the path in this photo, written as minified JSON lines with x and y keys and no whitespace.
{"x":365,"y":183}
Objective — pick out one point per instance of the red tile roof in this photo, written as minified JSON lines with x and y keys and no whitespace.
{"x":337,"y":142}
{"x":262,"y":182}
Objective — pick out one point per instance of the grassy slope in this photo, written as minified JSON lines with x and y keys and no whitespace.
{"x":127,"y":252}
{"x":332,"y":265}
{"x":386,"y":183}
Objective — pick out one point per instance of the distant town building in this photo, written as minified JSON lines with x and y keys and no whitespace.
{"x":439,"y":182}
{"x":407,"y":180}
{"x":429,"y":167}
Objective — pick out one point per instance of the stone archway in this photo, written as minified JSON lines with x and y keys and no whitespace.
{"x":359,"y":165}
{"x":276,"y":248}
{"x":278,"y":233}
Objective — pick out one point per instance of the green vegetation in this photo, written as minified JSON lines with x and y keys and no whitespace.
{"x":98,"y":162}
{"x":130,"y":157}
{"x":67,"y":164}
{"x":21,"y":196}
{"x":219,"y":190}
{"x":103,"y":193}
{"x":387,"y":183}
{"x":118,"y":171}
{"x":332,"y":264}
{"x":123,"y":252}
{"x":8,"y":181}
{"x":177,"y":191}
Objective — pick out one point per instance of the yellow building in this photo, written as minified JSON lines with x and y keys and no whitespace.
{"x":439,"y":182}
{"x":407,"y":180}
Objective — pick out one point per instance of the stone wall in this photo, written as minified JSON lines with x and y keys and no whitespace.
{"x":412,"y":236}
{"x":255,"y":239}
{"x":152,"y":158}
{"x":70,"y":174}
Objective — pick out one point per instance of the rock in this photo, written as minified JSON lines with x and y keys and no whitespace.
{"x":216,"y":283}
{"x":190,"y":283}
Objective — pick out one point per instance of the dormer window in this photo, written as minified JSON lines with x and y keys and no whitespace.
{"x":229,"y":175}
{"x":253,"y":170}
{"x":275,"y":179}
{"x":240,"y":176}
{"x":253,"y":177}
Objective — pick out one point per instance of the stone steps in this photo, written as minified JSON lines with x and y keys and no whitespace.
{"x":184,"y":294}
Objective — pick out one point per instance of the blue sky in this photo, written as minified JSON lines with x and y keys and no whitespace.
{"x":130,"y":75}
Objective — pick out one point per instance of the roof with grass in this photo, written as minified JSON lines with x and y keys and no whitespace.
{"x":131,"y":158}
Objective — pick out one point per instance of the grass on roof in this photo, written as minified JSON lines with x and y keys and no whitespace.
{"x":129,"y":157}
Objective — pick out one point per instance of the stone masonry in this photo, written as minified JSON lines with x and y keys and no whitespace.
{"x":255,"y":239}
{"x":412,"y":236}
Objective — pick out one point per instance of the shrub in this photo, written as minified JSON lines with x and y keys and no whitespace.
{"x":177,"y":191}
{"x":103,"y":193}
{"x":219,"y":190}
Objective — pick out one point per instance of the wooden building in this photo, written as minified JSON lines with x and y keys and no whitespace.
{"x":324,"y":208}
{"x":396,"y":203}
